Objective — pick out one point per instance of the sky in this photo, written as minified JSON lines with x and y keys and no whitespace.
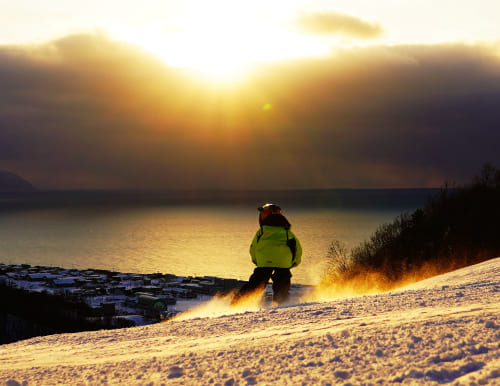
{"x":249,"y":95}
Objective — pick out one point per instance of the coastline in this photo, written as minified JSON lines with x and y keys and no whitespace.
{"x":71,"y":300}
{"x":106,"y":299}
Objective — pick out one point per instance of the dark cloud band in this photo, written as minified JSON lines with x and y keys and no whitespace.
{"x":85,"y":111}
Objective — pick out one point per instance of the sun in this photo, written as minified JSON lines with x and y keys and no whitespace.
{"x":222,"y":40}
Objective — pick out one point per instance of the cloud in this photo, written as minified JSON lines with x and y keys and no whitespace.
{"x":332,"y":23}
{"x":87,"y":112}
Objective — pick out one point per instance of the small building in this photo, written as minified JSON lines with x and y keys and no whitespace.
{"x":41,"y":276}
{"x":151,"y":302}
{"x":64,"y":282}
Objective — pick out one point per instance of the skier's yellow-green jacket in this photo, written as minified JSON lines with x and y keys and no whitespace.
{"x":275,"y":246}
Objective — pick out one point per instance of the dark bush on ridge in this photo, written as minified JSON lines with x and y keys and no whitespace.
{"x":25,"y":314}
{"x":456,"y":228}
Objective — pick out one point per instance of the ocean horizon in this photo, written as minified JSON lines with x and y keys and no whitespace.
{"x":341,"y":198}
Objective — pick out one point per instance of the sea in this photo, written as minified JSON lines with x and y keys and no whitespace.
{"x":187,"y":233}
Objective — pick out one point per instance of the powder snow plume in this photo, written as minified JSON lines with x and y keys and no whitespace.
{"x":361,"y":281}
{"x":332,"y":287}
{"x":221,"y":305}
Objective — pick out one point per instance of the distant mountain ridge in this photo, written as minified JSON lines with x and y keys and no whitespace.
{"x":10,"y":182}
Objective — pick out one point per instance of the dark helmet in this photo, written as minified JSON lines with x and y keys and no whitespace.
{"x":267,"y":209}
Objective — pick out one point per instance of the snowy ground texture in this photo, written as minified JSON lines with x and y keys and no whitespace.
{"x":442,"y":330}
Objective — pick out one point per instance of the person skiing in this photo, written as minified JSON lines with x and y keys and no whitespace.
{"x":274,"y":250}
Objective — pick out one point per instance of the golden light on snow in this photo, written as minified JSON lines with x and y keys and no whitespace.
{"x":221,"y":305}
{"x":444,"y":330}
{"x":367,"y":283}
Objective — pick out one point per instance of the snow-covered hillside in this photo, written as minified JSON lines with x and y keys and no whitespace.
{"x":444,"y":329}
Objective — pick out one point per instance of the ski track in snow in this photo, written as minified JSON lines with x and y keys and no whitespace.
{"x":442,"y":330}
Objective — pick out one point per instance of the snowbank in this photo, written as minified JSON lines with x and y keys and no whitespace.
{"x":444,"y":329}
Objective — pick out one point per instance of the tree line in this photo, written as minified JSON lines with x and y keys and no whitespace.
{"x":455,"y":228}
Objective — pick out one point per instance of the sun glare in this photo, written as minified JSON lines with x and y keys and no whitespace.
{"x":221,"y":40}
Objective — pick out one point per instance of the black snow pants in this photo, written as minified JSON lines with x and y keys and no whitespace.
{"x":260,"y":277}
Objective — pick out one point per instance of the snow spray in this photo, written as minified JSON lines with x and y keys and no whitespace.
{"x":221,"y":305}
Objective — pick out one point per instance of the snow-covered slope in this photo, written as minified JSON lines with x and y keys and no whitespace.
{"x":444,"y":329}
